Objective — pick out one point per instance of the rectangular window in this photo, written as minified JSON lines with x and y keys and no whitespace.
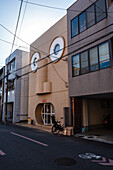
{"x":12,"y":65}
{"x":104,"y":57}
{"x":93,"y":55}
{"x":100,"y":10}
{"x":84,"y":62}
{"x":90,"y":15}
{"x":76,"y":65}
{"x":82,"y":22}
{"x":74,"y":27}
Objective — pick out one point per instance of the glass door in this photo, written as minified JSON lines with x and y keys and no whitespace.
{"x":48,"y":111}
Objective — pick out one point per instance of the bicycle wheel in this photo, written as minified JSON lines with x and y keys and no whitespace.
{"x":55,"y":131}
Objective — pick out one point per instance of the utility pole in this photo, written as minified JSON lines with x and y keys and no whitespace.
{"x":2,"y":99}
{"x":6,"y":89}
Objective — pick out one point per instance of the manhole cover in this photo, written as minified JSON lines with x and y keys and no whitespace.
{"x":65,"y":162}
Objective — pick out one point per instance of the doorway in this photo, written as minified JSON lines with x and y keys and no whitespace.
{"x":48,"y":110}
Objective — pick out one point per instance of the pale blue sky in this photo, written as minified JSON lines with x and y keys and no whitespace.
{"x":36,"y":21}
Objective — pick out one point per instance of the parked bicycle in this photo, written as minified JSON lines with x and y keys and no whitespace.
{"x":56,"y":127}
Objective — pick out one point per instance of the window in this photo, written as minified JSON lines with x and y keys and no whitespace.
{"x":93,"y":54}
{"x":100,"y":10}
{"x":11,"y":65}
{"x":84,"y":62}
{"x":11,"y":85}
{"x":74,"y":27}
{"x":75,"y":65}
{"x":56,"y":49}
{"x":82,"y":22}
{"x":90,"y":12}
{"x":89,"y":17}
{"x":104,"y":57}
{"x":93,"y":59}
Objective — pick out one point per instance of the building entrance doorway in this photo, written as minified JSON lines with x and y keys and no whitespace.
{"x":48,"y":110}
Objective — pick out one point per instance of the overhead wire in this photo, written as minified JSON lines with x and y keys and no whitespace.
{"x":22,"y":18}
{"x":21,"y":39}
{"x":56,"y":8}
{"x":87,"y":43}
{"x":67,"y":46}
{"x":17,"y":25}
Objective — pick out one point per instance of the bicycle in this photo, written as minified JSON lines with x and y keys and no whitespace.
{"x":56,"y":127}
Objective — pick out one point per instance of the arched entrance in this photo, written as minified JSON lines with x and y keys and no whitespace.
{"x":48,"y":110}
{"x":43,"y":113}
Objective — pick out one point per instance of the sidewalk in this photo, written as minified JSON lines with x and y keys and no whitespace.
{"x":100,"y":135}
{"x":39,"y":127}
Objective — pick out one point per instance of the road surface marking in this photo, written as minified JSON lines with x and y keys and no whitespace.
{"x":43,"y":144}
{"x":110,"y":163}
{"x":2,"y":153}
{"x":102,"y":161}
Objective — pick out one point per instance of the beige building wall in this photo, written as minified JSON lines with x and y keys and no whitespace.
{"x":24,"y":87}
{"x":47,"y":85}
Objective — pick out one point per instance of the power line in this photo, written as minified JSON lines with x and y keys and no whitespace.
{"x":21,"y":39}
{"x":11,"y":43}
{"x":66,"y":46}
{"x":102,"y":9}
{"x":23,"y":18}
{"x":56,"y":8}
{"x":67,"y":54}
{"x":17,"y":24}
{"x":87,"y":43}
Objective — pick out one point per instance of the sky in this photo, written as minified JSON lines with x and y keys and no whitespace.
{"x":34,"y":21}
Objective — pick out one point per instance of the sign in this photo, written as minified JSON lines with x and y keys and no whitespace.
{"x":44,"y":101}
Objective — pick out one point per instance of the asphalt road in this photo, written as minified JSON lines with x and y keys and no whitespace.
{"x":29,"y":149}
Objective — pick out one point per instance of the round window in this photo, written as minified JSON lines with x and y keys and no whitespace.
{"x":57,"y":49}
{"x":34,"y":61}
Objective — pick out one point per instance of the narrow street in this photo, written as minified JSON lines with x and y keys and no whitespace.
{"x":28,"y":149}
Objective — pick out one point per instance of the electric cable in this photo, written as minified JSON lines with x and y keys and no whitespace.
{"x":53,"y":7}
{"x":21,"y":39}
{"x":17,"y":25}
{"x":101,"y":9}
{"x":22,"y":19}
{"x":67,"y":46}
{"x":68,"y":54}
{"x":90,"y":35}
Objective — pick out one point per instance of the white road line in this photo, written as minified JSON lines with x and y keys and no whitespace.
{"x":2,"y":153}
{"x":43,"y":144}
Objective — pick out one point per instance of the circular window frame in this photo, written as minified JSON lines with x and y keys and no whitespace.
{"x":57,"y":41}
{"x":33,"y":57}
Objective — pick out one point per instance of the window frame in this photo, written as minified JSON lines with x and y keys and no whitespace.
{"x":78,"y":26}
{"x":86,"y":18}
{"x":89,"y":71}
{"x":105,"y":10}
{"x":79,"y":65}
